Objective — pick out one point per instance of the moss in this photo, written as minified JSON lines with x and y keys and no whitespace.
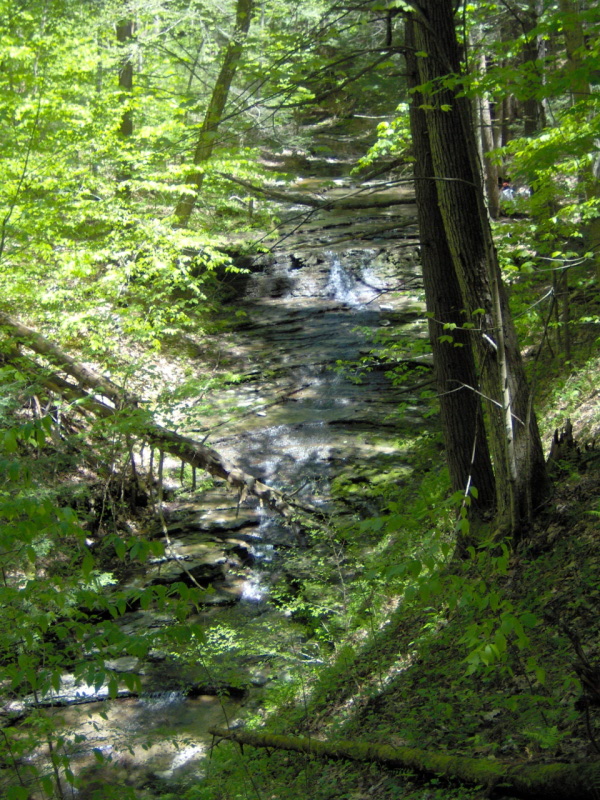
{"x":548,"y":781}
{"x":371,"y":482}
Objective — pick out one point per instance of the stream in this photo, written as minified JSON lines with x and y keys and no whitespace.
{"x":298,"y":420}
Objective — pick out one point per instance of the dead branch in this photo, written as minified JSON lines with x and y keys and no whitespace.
{"x":298,"y":198}
{"x":183,"y":447}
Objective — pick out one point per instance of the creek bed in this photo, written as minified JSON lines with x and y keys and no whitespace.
{"x":305,"y":418}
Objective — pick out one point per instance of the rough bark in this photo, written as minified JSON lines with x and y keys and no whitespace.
{"x":465,"y":439}
{"x":214,"y":113}
{"x":514,"y":438}
{"x":182,"y":447}
{"x":542,"y":781}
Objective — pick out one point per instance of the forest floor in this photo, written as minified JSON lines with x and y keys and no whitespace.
{"x":497,"y":656}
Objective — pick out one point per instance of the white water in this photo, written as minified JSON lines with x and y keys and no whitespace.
{"x":293,"y":446}
{"x":343,"y":286}
{"x":356,"y":286}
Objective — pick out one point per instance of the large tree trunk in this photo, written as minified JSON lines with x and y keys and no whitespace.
{"x":465,"y":440}
{"x":514,"y":439}
{"x":214,"y":113}
{"x":542,"y":781}
{"x":574,"y":45}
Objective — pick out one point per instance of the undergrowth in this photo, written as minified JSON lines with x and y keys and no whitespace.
{"x":482,"y":656}
{"x":394,"y":638}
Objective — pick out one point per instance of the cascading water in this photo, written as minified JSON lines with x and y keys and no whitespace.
{"x":356,"y":289}
{"x":297,"y":419}
{"x":342,"y":286}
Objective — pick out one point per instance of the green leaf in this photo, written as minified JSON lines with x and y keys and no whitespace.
{"x":414,"y":567}
{"x":87,"y":564}
{"x":529,"y":620}
{"x":463,"y":525}
{"x":120,"y":547}
{"x":540,"y":674}
{"x":19,"y":792}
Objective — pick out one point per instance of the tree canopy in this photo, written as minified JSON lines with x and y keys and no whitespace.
{"x":149,"y":158}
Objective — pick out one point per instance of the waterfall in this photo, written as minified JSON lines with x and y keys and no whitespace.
{"x":343,"y":286}
{"x":353,"y":281}
{"x":304,"y":417}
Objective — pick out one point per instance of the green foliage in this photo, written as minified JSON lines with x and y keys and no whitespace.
{"x":60,"y":620}
{"x":393,"y":141}
{"x":468,"y":659}
{"x":97,"y":259}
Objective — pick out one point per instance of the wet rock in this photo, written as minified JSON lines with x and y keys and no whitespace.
{"x":190,"y":572}
{"x":304,"y":414}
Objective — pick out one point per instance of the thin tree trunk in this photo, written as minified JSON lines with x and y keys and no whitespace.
{"x":486,"y":135}
{"x":124,"y":38}
{"x":465,"y":439}
{"x":533,"y":109}
{"x":557,"y":781}
{"x":214,"y":113}
{"x":514,"y":438}
{"x":353,"y":200}
{"x":507,"y":120}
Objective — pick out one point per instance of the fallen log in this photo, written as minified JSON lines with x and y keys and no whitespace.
{"x":183,"y":447}
{"x":311,"y":200}
{"x":557,"y":781}
{"x":82,"y":374}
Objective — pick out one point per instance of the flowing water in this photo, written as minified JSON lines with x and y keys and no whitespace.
{"x":303,"y":417}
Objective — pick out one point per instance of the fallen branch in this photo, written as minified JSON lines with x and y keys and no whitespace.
{"x":544,"y":781}
{"x":298,"y":198}
{"x":183,"y":447}
{"x":82,"y":374}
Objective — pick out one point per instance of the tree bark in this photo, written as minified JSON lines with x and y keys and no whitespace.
{"x":581,"y":90}
{"x":533,"y":109}
{"x":486,"y":137}
{"x":574,"y":45}
{"x":214,"y":113}
{"x":124,"y":37}
{"x":513,"y":434}
{"x":465,"y":440}
{"x":542,"y":781}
